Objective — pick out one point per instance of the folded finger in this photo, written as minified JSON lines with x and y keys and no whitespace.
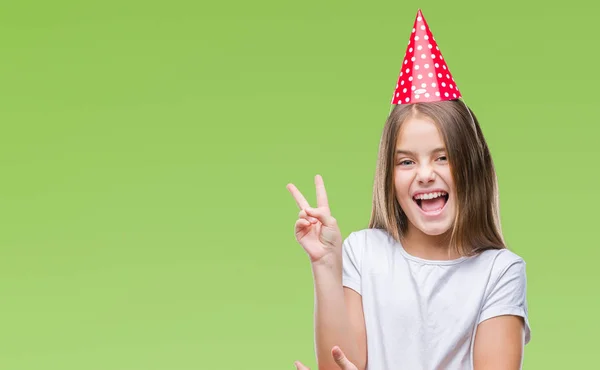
{"x":301,"y":223}
{"x":321,"y":214}
{"x":304,"y":215}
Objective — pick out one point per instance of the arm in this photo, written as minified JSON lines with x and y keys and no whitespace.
{"x":357,"y":323}
{"x":339,"y":319}
{"x":338,"y":311}
{"x":503,"y":328}
{"x":499,"y":343}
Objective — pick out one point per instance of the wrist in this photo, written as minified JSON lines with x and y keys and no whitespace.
{"x":331,"y":263}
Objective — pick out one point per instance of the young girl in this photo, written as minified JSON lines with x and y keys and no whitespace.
{"x":430,"y":284}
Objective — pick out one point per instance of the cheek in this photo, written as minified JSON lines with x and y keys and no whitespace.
{"x":448,"y":179}
{"x":402,"y":185}
{"x":447,"y":175}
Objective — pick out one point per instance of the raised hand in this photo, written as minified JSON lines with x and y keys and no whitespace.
{"x":316,"y":230}
{"x":340,"y":359}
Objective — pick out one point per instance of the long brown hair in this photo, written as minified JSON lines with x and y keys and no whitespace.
{"x":476,"y":224}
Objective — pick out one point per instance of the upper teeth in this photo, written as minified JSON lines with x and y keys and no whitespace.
{"x":435,"y":194}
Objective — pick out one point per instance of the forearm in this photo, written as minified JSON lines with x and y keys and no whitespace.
{"x":332,"y":324}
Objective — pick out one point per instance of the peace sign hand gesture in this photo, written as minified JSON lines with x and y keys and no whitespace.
{"x":316,"y":230}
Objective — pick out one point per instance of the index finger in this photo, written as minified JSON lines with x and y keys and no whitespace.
{"x":298,"y":197}
{"x":321,"y":193}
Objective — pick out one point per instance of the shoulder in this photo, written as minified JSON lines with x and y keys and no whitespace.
{"x":505,"y":275}
{"x":368,"y":247}
{"x":371,"y":237}
{"x":501,"y":260}
{"x":371,"y":240}
{"x":358,"y":255}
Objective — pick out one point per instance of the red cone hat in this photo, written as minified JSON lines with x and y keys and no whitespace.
{"x":424,"y":76}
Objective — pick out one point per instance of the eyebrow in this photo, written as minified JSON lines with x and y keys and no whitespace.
{"x":408,"y":152}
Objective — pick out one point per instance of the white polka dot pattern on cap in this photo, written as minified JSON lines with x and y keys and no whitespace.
{"x":425,"y":76}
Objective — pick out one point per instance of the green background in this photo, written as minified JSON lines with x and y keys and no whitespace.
{"x":145,"y":148}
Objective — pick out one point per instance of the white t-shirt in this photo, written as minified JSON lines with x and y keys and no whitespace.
{"x":422,"y":314}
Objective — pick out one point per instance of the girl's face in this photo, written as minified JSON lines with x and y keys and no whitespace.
{"x":422,"y":178}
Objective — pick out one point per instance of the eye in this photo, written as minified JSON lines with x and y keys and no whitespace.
{"x":405,"y":162}
{"x":443,"y":158}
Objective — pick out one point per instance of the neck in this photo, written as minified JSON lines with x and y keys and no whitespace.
{"x":430,"y":247}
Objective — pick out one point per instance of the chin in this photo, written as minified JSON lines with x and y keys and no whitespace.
{"x":434,"y":230}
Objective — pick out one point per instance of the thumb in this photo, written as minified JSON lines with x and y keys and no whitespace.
{"x":341,"y":360}
{"x":300,"y":366}
{"x":321,"y":214}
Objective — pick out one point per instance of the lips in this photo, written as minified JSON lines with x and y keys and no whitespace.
{"x":431,"y":202}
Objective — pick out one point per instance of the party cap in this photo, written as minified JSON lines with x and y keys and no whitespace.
{"x":424,"y":76}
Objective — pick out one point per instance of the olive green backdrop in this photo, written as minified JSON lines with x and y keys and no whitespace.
{"x":145,"y":148}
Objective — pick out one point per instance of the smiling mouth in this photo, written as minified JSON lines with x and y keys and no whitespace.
{"x":431,"y":202}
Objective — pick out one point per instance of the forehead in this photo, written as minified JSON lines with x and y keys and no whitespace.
{"x":419,"y":133}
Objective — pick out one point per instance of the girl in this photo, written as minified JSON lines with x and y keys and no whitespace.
{"x":430,"y":284}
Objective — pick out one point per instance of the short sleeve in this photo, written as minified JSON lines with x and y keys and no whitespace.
{"x":509,"y":296}
{"x":352,"y":263}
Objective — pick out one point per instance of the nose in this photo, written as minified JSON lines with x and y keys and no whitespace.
{"x":425,"y":174}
